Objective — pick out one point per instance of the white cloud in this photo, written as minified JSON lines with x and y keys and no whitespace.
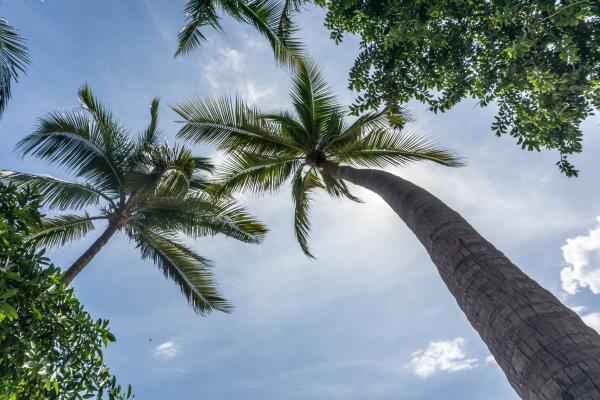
{"x":252,"y":93}
{"x":226,"y":68}
{"x":166,"y":350}
{"x":232,"y":58}
{"x":583,"y":255}
{"x":490,"y":360}
{"x":578,"y":309}
{"x":592,"y":320}
{"x":222,"y":67}
{"x":446,"y":356}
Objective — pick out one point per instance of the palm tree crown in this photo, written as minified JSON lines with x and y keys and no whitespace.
{"x":14,"y":57}
{"x":265,"y":149}
{"x":151,"y":191}
{"x":271,"y":18}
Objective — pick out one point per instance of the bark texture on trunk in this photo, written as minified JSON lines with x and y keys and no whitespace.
{"x":543,"y":347}
{"x":86,"y":257}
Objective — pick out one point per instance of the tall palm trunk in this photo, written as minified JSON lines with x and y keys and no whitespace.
{"x":543,"y":347}
{"x":86,"y":257}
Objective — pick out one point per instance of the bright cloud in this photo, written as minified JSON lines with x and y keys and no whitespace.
{"x":582,"y":253}
{"x":446,"y":356}
{"x":490,"y":360}
{"x":166,"y":350}
{"x":232,"y":58}
{"x":226,"y":67}
{"x":252,"y":93}
{"x":592,"y":320}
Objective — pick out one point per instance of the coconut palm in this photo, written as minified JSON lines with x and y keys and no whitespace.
{"x":271,"y":18}
{"x":544,"y":348}
{"x":151,"y":191}
{"x":14,"y":57}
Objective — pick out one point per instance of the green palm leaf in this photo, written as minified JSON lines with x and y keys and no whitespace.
{"x":199,"y":13}
{"x":337,"y":188}
{"x":249,"y":173}
{"x":271,"y":18}
{"x":201,"y":215}
{"x":61,"y":230}
{"x":371,"y":120}
{"x":57,"y":193}
{"x":383,"y":148}
{"x":68,"y":139}
{"x":150,"y":135}
{"x":14,"y":57}
{"x":302,"y":187}
{"x":313,"y":99}
{"x":188,"y":270}
{"x":230,"y":124}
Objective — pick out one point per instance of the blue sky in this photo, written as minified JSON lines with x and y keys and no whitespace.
{"x":371,"y":318}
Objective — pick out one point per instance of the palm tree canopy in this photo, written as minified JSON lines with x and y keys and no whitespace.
{"x":153,"y":191}
{"x":271,"y":18}
{"x":266,"y":149}
{"x":14,"y":57}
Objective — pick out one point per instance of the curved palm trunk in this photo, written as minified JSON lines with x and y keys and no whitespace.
{"x":86,"y":257}
{"x":543,"y":347}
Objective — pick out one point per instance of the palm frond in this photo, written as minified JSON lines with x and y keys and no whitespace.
{"x":102,"y":115}
{"x":294,"y":6}
{"x":383,"y":148}
{"x":69,"y":140}
{"x":365,"y":123}
{"x":332,"y":128}
{"x":162,"y":170}
{"x":249,"y":173}
{"x":302,"y":187}
{"x":198,"y":14}
{"x":312,"y":98}
{"x":289,"y":127}
{"x":112,"y":138}
{"x":199,"y":182}
{"x":230,"y":124}
{"x":203,"y":164}
{"x":201,"y":215}
{"x":58,"y":231}
{"x":14,"y":57}
{"x":150,"y":135}
{"x":272,"y":19}
{"x":173,"y":167}
{"x":147,"y":139}
{"x":190,"y":271}
{"x":336,"y":187}
{"x":57,"y":193}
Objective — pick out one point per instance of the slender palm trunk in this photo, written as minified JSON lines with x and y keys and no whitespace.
{"x":86,"y":257}
{"x":543,"y":347}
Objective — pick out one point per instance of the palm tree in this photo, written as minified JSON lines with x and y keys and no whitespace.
{"x":152,"y":192}
{"x":271,"y":18}
{"x":544,"y":348}
{"x":14,"y":57}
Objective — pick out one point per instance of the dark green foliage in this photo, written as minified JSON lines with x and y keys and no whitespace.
{"x":151,"y":191}
{"x":266,"y":149}
{"x":50,"y":347}
{"x":14,"y":57}
{"x":538,"y":60}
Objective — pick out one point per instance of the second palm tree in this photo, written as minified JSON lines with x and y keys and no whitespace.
{"x":151,"y":191}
